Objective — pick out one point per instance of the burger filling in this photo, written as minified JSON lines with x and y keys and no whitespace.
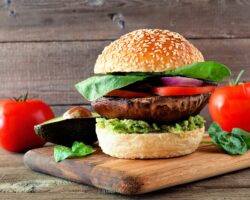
{"x":197,"y":78}
{"x":153,"y":102}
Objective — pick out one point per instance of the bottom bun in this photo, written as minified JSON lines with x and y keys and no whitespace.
{"x":148,"y":145}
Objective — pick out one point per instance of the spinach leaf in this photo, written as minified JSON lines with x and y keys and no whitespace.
{"x":245,"y":135}
{"x":209,"y":70}
{"x":213,"y":130}
{"x":78,"y":149}
{"x":97,"y":86}
{"x":233,"y":143}
{"x":61,"y":153}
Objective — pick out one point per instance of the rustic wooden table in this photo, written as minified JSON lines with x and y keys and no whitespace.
{"x":47,"y":46}
{"x":19,"y":182}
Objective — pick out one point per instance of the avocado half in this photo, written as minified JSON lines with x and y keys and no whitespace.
{"x":66,"y":131}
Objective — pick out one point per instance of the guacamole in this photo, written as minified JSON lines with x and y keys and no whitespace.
{"x":139,"y":126}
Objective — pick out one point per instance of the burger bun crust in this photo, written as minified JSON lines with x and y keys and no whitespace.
{"x":148,"y":145}
{"x":147,"y":50}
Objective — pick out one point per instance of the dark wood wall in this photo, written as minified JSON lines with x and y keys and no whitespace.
{"x":46,"y":46}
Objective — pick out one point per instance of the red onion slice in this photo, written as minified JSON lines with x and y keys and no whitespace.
{"x":180,"y":81}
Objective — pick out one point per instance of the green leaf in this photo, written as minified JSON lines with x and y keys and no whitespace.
{"x":61,"y":153}
{"x":78,"y":149}
{"x":232,"y":144}
{"x":97,"y":86}
{"x":209,"y":70}
{"x":245,"y":135}
{"x":213,"y":130}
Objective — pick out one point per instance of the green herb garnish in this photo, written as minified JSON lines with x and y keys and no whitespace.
{"x":236,"y":142}
{"x":78,"y":149}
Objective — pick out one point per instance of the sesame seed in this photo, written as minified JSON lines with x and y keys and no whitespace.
{"x":152,"y":48}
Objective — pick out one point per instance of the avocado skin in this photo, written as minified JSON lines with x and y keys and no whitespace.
{"x":66,"y":131}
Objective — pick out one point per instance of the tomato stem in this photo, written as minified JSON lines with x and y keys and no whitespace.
{"x":237,"y":80}
{"x":21,"y":98}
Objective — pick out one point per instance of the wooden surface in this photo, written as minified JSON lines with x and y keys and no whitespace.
{"x":136,"y":176}
{"x":19,"y":182}
{"x":46,"y":46}
{"x":46,"y":20}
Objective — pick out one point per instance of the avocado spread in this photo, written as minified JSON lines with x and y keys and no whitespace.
{"x":139,"y":126}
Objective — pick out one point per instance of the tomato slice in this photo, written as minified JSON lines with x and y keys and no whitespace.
{"x":179,"y":91}
{"x":163,"y":91}
{"x":127,"y":94}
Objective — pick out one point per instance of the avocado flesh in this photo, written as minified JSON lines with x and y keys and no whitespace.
{"x":65,"y":131}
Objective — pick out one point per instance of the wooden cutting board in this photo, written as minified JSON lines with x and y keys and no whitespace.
{"x":136,"y":176}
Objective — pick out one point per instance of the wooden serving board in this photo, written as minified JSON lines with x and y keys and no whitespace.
{"x":136,"y":176}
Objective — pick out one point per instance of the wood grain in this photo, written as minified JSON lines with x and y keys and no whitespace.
{"x":50,"y":70}
{"x":19,"y":182}
{"x":47,"y":70}
{"x":60,"y":20}
{"x":137,"y":176}
{"x":171,"y":194}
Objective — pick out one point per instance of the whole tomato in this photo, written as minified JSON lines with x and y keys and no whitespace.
{"x":230,"y":106}
{"x":17,"y":120}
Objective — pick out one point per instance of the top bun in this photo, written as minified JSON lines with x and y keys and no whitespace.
{"x":147,"y":50}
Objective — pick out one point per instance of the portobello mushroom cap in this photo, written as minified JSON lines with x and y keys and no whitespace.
{"x":155,"y":108}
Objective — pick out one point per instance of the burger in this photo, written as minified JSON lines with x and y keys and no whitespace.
{"x":151,"y":86}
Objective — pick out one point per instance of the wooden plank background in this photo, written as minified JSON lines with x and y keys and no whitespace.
{"x":46,"y":46}
{"x":53,"y":20}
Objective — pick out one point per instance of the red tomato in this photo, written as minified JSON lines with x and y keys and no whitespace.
{"x":127,"y":94}
{"x":230,"y":107}
{"x":179,"y":91}
{"x":17,"y":120}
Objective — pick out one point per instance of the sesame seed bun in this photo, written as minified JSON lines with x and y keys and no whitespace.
{"x":147,"y":50}
{"x":148,"y":145}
